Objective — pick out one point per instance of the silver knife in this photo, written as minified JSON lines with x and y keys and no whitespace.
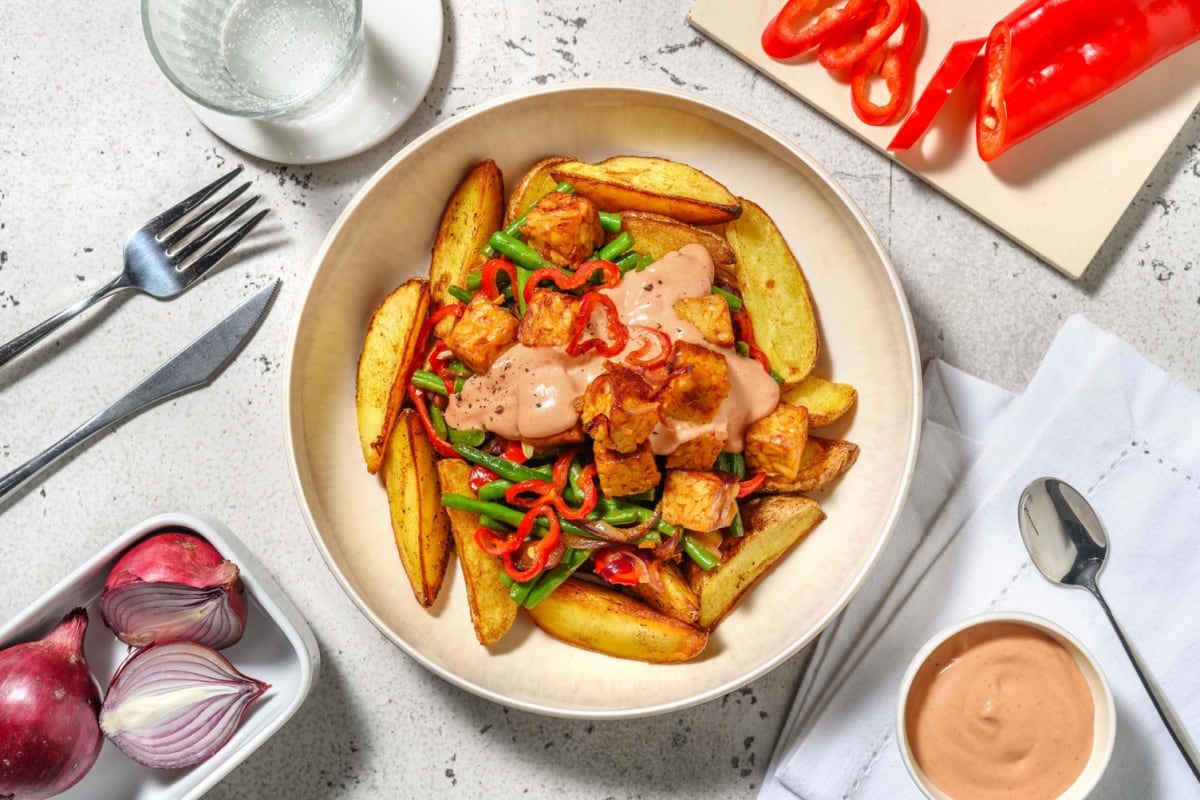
{"x":192,"y":367}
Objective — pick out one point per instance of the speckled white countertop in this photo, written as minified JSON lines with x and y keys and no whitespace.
{"x":92,"y":138}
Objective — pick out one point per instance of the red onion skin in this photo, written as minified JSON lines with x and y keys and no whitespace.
{"x":180,"y":559}
{"x":49,"y":702}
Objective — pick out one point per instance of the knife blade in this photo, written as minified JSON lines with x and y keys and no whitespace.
{"x":194,"y":366}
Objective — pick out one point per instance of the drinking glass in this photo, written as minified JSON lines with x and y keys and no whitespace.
{"x":284,"y":60}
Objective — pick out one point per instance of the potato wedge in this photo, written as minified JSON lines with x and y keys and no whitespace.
{"x":657,"y":185}
{"x":656,"y":235}
{"x":822,"y":461}
{"x":597,"y":618}
{"x":776,"y":294}
{"x":773,"y":524}
{"x":535,"y":184}
{"x":419,"y":521}
{"x":472,"y":214}
{"x":387,"y":348}
{"x":492,"y":610}
{"x":675,"y":599}
{"x":826,"y":401}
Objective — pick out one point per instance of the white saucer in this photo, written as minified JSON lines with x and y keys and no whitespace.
{"x":403,"y":46}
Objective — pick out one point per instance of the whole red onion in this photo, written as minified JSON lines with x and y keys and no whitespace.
{"x":174,"y":585}
{"x":49,"y":701}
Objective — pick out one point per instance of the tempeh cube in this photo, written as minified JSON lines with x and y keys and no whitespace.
{"x":698,"y":453}
{"x":699,"y":500}
{"x":564,"y":228}
{"x":617,"y":411}
{"x":775,"y":443}
{"x":624,"y":474}
{"x":549,"y":319}
{"x":710,"y":315}
{"x":484,"y":331}
{"x":699,"y":383}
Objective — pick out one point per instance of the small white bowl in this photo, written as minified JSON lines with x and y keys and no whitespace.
{"x":278,"y":648}
{"x":1104,"y":728}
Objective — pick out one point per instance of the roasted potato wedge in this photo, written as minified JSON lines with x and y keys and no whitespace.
{"x":535,"y":184}
{"x":656,"y":235}
{"x":822,"y":461}
{"x":675,"y":599}
{"x":776,"y":294}
{"x":420,"y":524}
{"x":657,"y":185}
{"x":387,"y":348}
{"x":597,"y":618}
{"x":473,"y":213}
{"x":826,"y":401}
{"x":492,"y":610}
{"x":773,"y":524}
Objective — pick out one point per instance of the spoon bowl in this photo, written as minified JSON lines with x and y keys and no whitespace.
{"x":1067,"y":542}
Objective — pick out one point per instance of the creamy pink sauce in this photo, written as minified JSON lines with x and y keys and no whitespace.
{"x":1000,"y":711}
{"x":530,"y":391}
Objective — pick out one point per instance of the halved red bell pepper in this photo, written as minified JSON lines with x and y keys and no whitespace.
{"x":894,"y":65}
{"x":1050,"y":58}
{"x":949,"y":74}
{"x":852,"y":43}
{"x":802,"y":25}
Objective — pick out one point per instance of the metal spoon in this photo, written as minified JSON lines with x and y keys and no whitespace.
{"x":1067,"y":543}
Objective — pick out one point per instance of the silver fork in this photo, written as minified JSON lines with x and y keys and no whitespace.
{"x":159,"y":261}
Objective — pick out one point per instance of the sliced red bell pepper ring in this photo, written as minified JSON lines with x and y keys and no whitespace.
{"x":655,"y":352}
{"x":489,"y":272}
{"x":894,"y":65}
{"x":440,"y":445}
{"x":750,"y":485}
{"x":949,"y":74}
{"x":581,"y":276}
{"x":802,"y":25}
{"x":615,"y":328}
{"x":1050,"y":58}
{"x":853,"y":43}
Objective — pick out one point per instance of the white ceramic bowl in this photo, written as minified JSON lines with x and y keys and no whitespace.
{"x":277,"y":647}
{"x":384,"y":236}
{"x":1104,"y":727}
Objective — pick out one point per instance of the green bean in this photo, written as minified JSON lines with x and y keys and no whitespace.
{"x":517,"y":591}
{"x":695,"y":551}
{"x":472,"y":437}
{"x":643,"y":262}
{"x":610,"y":222}
{"x":735,"y":302}
{"x":552,"y":578}
{"x":522,"y":281}
{"x":439,"y":421}
{"x":572,"y":492}
{"x":459,"y":293}
{"x":628,"y":261}
{"x":494,"y":490}
{"x":519,"y":252}
{"x":503,"y":513}
{"x":494,"y":524}
{"x":474,"y":281}
{"x":737,"y":465}
{"x":503,"y":467}
{"x":736,"y":528}
{"x":622,"y":242}
{"x":429,"y":381}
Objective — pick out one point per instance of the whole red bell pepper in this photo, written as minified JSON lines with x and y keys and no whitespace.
{"x":1050,"y":58}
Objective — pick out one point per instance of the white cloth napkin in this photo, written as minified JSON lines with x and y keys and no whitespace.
{"x":1122,"y":432}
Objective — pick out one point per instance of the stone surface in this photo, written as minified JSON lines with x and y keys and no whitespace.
{"x":93,"y":139}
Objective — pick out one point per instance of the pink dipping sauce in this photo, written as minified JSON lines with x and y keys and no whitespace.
{"x":530,"y":392}
{"x":1000,"y":710}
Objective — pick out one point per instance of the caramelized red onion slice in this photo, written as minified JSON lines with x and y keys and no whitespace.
{"x":174,"y":704}
{"x":49,"y":738}
{"x":614,"y":533}
{"x":174,"y":585}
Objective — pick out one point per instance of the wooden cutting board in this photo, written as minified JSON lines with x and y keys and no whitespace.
{"x":1059,"y":193}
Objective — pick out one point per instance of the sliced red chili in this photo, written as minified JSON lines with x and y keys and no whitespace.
{"x":489,"y":272}
{"x":657,"y":342}
{"x":615,"y":328}
{"x":894,"y":65}
{"x":802,"y":25}
{"x":949,"y":74}
{"x":442,"y":447}
{"x":539,"y":553}
{"x":852,"y":43}
{"x":439,"y":361}
{"x":741,"y":318}
{"x":581,"y":277}
{"x":751,"y":485}
{"x":453,"y":310}
{"x":480,"y":477}
{"x":513,"y":450}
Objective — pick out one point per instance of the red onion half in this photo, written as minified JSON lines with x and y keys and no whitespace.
{"x":49,"y":738}
{"x":174,"y":704}
{"x":174,"y":585}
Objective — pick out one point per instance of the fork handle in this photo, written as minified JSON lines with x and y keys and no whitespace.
{"x":11,"y":349}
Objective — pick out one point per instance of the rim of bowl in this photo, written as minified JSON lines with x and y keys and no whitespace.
{"x":270,"y":111}
{"x":1104,"y":726}
{"x":676,"y":95}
